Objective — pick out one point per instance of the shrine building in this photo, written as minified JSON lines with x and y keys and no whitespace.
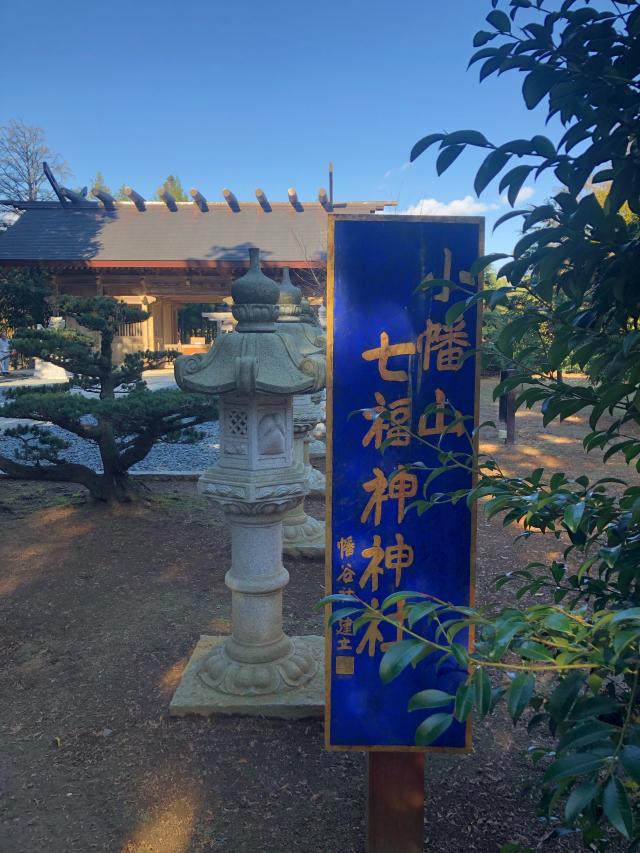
{"x":165,"y":255}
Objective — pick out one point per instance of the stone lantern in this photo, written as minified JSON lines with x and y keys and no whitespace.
{"x":303,"y":534}
{"x":255,"y":370}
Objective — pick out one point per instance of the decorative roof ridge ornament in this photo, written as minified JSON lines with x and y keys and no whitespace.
{"x":250,"y":360}
{"x":289,"y":299}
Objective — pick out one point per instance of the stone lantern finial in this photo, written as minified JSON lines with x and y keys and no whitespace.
{"x":306,"y":313}
{"x":255,"y":298}
{"x":289,"y":299}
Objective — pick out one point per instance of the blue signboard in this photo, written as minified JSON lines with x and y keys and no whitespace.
{"x":391,"y":350}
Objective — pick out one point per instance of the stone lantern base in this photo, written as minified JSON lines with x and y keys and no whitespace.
{"x":193,"y":696}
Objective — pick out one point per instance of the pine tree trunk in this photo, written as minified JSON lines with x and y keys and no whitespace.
{"x":116,"y":484}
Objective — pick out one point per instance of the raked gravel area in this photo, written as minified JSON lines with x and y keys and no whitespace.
{"x":163,"y":458}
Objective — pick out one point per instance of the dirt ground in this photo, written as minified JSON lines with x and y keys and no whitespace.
{"x":99,"y":611}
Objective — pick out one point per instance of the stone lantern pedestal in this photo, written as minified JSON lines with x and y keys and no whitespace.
{"x":303,"y":535}
{"x":256,"y":481}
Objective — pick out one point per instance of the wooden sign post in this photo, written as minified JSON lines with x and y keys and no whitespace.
{"x":402,"y":390}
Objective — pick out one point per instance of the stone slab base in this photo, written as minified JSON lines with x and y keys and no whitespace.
{"x":313,"y":551}
{"x":194,"y":697}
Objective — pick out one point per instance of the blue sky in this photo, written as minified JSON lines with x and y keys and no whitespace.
{"x":244,"y":94}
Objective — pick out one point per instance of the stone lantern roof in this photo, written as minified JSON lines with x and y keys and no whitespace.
{"x":259,"y":356}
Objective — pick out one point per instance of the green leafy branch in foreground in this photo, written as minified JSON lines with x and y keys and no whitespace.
{"x":567,"y":294}
{"x":590,"y":708}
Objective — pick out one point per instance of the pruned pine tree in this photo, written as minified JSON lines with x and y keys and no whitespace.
{"x":103,"y":403}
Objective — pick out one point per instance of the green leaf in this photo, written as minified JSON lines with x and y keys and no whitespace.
{"x":537,"y":84}
{"x":579,"y":799}
{"x":499,"y":20}
{"x":486,"y":260}
{"x":565,"y":694}
{"x":514,"y":179}
{"x":466,"y":137}
{"x":573,"y":516}
{"x":429,"y":699}
{"x":464,"y":701}
{"x":483,"y":691}
{"x":616,"y":807}
{"x":630,"y":756}
{"x":510,"y":215}
{"x":492,"y":165}
{"x":343,"y":613}
{"x":416,"y":612}
{"x":570,"y":766}
{"x":632,"y":613}
{"x":424,"y":143}
{"x":432,"y":728}
{"x":398,"y":657}
{"x":447,"y":156}
{"x":544,"y":146}
{"x":482,"y":37}
{"x":519,"y":694}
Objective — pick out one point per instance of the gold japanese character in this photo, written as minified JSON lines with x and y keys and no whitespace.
{"x":374,"y":569}
{"x":372,"y":636}
{"x":402,"y":485}
{"x":347,"y":574}
{"x":443,"y":296}
{"x":398,"y":557}
{"x":396,"y":425}
{"x":346,"y":546}
{"x":345,"y":627}
{"x":384,"y":352}
{"x":397,"y":617}
{"x":344,"y":645}
{"x":440,"y":427}
{"x":447,"y":342}
{"x":464,"y":276}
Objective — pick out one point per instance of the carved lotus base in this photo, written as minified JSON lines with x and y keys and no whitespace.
{"x":223,"y":673}
{"x":303,"y":540}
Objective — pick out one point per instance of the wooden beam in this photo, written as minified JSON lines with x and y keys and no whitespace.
{"x":263,"y":200}
{"x":323,"y":198}
{"x":107,"y":199}
{"x":136,"y":198}
{"x":231,"y":200}
{"x":293,"y":198}
{"x":168,"y":199}
{"x":74,"y":197}
{"x":395,"y":805}
{"x":199,"y":199}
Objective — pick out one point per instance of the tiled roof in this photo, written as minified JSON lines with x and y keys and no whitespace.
{"x":87,"y":234}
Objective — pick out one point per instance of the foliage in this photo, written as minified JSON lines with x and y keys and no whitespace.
{"x":98,"y":183}
{"x":112,"y":406}
{"x":23,"y":297}
{"x":174,"y":187}
{"x":570,"y":662}
{"x":22,"y":151}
